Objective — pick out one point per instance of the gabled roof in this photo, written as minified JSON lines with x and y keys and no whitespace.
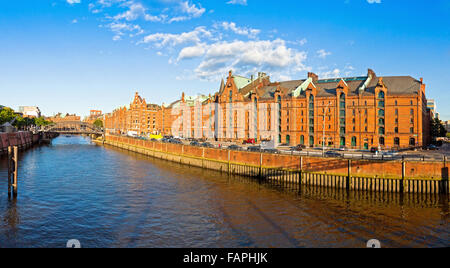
{"x":241,"y":81}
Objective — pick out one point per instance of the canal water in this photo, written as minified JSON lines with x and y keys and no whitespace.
{"x":106,"y":197}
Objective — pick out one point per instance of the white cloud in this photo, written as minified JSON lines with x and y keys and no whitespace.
{"x":374,"y":1}
{"x":192,"y":52}
{"x":335,"y":73}
{"x":135,"y":11}
{"x":237,"y":2}
{"x":191,"y":10}
{"x":248,"y":57}
{"x":120,"y":29}
{"x":73,"y":2}
{"x":231,"y":26}
{"x":323,"y":54}
{"x":166,"y":39}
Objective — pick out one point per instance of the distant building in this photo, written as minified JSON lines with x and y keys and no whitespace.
{"x":94,"y":116}
{"x":447,"y":125}
{"x":64,"y":118}
{"x":431,"y":105}
{"x":30,"y":111}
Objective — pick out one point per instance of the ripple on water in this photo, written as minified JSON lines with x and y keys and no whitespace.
{"x":111,"y":198}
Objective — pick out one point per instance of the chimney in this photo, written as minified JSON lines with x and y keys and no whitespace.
{"x":371,"y":73}
{"x":182,"y":97}
{"x":230,"y":73}
{"x":421,"y":80}
{"x":314,"y":77}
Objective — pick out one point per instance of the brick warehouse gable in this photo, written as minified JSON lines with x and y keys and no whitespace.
{"x":360,"y":112}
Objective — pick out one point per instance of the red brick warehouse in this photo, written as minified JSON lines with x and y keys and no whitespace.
{"x":353,"y":112}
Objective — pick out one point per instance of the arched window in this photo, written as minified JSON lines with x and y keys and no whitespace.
{"x":381,"y":104}
{"x":381,"y":141}
{"x":354,"y":141}
{"x":381,"y":131}
{"x":302,"y":140}
{"x":381,"y":95}
{"x":342,"y":141}
{"x":288,"y":139}
{"x":231,"y":96}
{"x":380,"y":112}
{"x":311,"y":141}
{"x":412,"y":142}
{"x":381,"y":121}
{"x":397,"y":141}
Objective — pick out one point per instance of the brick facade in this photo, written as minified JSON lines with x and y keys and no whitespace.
{"x":356,"y":112}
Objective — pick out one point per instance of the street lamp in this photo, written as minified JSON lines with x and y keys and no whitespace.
{"x":323,"y":136}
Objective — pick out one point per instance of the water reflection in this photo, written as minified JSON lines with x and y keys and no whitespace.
{"x":106,"y":197}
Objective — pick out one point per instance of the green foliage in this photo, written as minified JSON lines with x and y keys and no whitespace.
{"x":6,"y":115}
{"x":437,"y":128}
{"x":41,"y":122}
{"x":98,"y":123}
{"x":448,"y":135}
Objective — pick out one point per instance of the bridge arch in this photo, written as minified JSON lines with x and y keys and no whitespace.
{"x":73,"y":127}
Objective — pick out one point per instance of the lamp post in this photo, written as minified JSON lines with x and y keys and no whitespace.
{"x":323,"y":136}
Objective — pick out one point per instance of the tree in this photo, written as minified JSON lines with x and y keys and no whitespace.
{"x":41,"y":122}
{"x":6,"y":115}
{"x":437,"y":129}
{"x":98,"y":123}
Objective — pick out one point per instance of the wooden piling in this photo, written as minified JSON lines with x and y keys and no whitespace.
{"x":10,"y":173}
{"x":16,"y":169}
{"x":402,"y":182}
{"x":349,"y":175}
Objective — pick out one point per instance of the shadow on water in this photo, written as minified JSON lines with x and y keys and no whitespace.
{"x":396,"y":208}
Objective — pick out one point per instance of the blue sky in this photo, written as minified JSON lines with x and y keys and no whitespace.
{"x":76,"y":55}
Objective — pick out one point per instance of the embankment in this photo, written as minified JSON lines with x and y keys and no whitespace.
{"x":391,"y":176}
{"x":23,"y":140}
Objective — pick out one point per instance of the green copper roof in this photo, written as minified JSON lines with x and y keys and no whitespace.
{"x":241,"y":82}
{"x":302,"y":87}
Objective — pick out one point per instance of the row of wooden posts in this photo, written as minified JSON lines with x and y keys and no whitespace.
{"x":13,"y":168}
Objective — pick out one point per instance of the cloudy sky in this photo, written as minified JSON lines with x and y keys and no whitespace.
{"x":76,"y":55}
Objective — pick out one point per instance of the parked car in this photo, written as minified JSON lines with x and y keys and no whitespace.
{"x":432,"y":147}
{"x":175,"y":141}
{"x":207,"y":145}
{"x":234,"y":148}
{"x":254,"y":149}
{"x":297,"y":148}
{"x":195,"y":143}
{"x":250,"y":141}
{"x":373,"y":150}
{"x":332,"y":154}
{"x":271,"y":151}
